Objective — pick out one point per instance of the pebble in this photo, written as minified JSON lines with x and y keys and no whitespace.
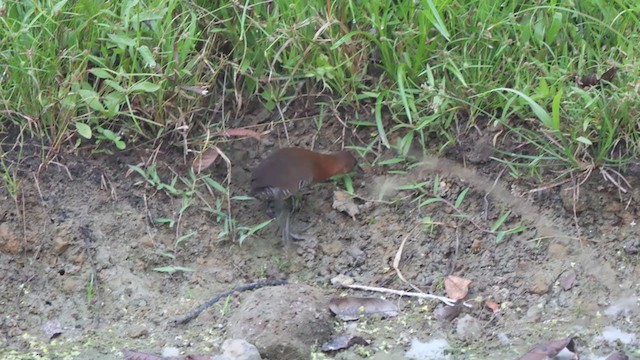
{"x":468,"y":328}
{"x":170,"y":352}
{"x":238,"y":349}
{"x":138,"y":331}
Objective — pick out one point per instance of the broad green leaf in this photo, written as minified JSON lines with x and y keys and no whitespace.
{"x":84,"y":130}
{"x":92,"y":99}
{"x":101,"y":73}
{"x":144,"y":86}
{"x":147,"y":56}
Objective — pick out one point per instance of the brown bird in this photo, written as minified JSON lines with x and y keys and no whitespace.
{"x":286,"y":171}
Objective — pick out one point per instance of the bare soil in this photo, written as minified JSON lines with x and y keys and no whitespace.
{"x":77,"y":246}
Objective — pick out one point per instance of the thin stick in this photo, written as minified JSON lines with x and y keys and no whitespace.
{"x":396,"y":260}
{"x":444,"y":299}
{"x":195,"y":312}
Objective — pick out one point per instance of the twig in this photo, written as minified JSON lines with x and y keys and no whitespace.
{"x":486,"y":195}
{"x":195,"y":312}
{"x":396,"y":260}
{"x":444,"y":299}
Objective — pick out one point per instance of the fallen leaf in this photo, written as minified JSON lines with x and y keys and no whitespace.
{"x":351,"y":307}
{"x":492,"y":305}
{"x":609,"y":74}
{"x":568,"y":279}
{"x":456,"y":287}
{"x":550,"y":350}
{"x":343,"y":202}
{"x":52,"y":329}
{"x":344,"y":341}
{"x":475,"y":246}
{"x":240,"y":133}
{"x":206,"y":159}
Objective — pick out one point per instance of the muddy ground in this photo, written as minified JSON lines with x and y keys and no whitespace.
{"x":77,"y":247}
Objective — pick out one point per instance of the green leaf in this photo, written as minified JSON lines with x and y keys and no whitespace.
{"x":378,"y":114}
{"x":101,"y":73}
{"x":403,"y":95}
{"x":216,"y":185}
{"x":144,"y":86}
{"x":84,"y":130}
{"x":555,"y":111}
{"x":92,"y":99}
{"x":540,"y":112}
{"x":555,"y":26}
{"x":430,"y":201}
{"x":584,"y":140}
{"x":122,"y":40}
{"x":460,"y":197}
{"x":500,"y":221}
{"x":147,"y":56}
{"x":115,"y":86}
{"x":58,"y":7}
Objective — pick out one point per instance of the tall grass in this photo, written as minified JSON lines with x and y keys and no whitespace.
{"x":118,"y":71}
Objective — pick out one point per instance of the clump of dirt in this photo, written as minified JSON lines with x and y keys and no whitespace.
{"x":82,"y":245}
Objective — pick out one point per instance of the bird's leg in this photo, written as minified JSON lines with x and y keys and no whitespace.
{"x":296,"y":202}
{"x":282,"y":214}
{"x":295,"y":206}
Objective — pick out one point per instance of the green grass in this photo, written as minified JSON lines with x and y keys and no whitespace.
{"x":109,"y":75}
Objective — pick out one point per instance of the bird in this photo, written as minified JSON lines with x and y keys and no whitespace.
{"x":286,"y":171}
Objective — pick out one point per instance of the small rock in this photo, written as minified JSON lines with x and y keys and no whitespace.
{"x":332,"y":248}
{"x":147,"y":241}
{"x":534,"y":313}
{"x":138,"y":331}
{"x":283,"y":322}
{"x":447,"y":313}
{"x":632,"y":247}
{"x":539,"y":287}
{"x":9,"y":243}
{"x":568,"y":279}
{"x":469,"y":328}
{"x":60,"y":245}
{"x":568,"y":200}
{"x":557,"y":251}
{"x":238,"y":349}
{"x":170,"y":352}
{"x":72,"y":285}
{"x":343,"y":202}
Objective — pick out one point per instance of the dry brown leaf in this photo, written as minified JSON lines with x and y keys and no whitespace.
{"x":492,"y":305}
{"x":240,"y":133}
{"x":609,"y":74}
{"x":551,"y":349}
{"x":456,"y":287}
{"x":475,"y":246}
{"x":206,"y":159}
{"x":568,"y":279}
